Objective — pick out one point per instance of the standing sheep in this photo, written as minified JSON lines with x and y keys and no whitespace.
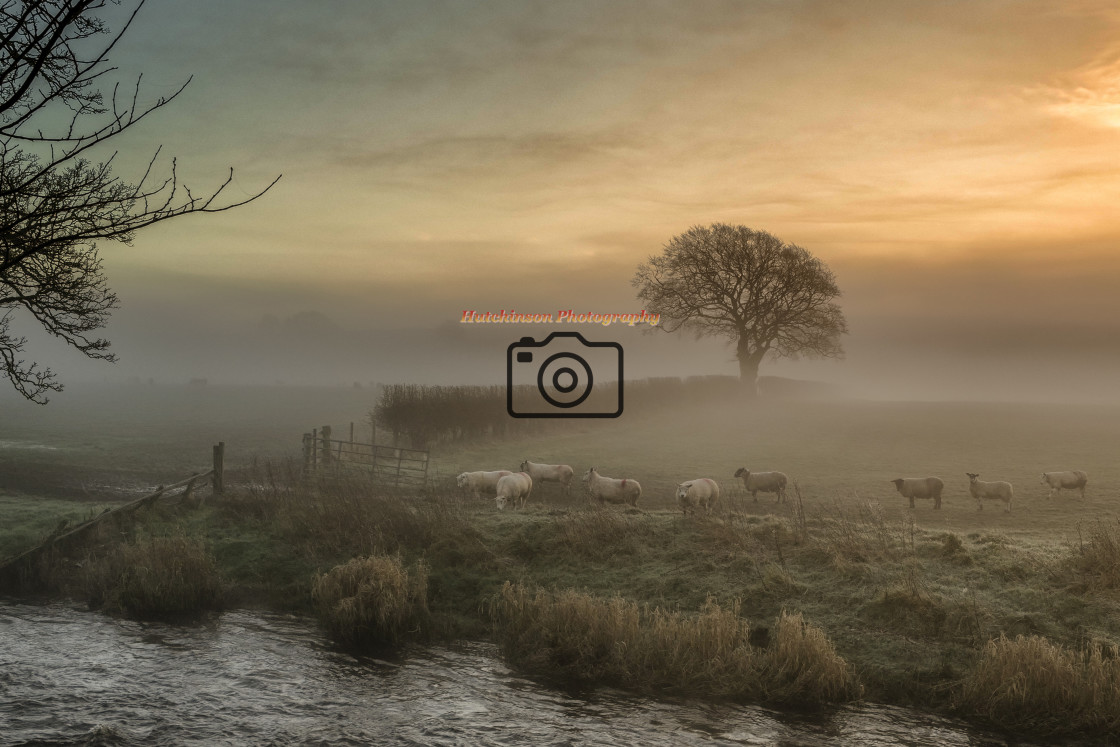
{"x":920,"y":487}
{"x":766,"y":482}
{"x":1000,"y":491}
{"x":513,"y":488}
{"x":702,"y":493}
{"x":1068,"y":480}
{"x":612,"y":490}
{"x":560,"y":473}
{"x":477,"y":482}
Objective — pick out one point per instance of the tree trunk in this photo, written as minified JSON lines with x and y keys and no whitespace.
{"x":748,"y":371}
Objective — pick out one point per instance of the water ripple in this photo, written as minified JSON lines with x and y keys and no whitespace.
{"x":69,"y":677}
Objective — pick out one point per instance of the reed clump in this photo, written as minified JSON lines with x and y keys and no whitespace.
{"x":1030,"y":683}
{"x":154,"y":578}
{"x":575,"y":636}
{"x":374,"y":600}
{"x":801,"y":665}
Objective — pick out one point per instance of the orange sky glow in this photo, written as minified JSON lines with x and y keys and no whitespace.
{"x":955,"y":163}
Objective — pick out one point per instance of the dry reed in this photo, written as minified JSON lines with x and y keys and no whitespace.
{"x":1097,"y":557}
{"x":1031,"y":683}
{"x":158,"y":577}
{"x":373,"y":600}
{"x":573,"y":635}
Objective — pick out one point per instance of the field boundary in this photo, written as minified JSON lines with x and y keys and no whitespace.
{"x":18,"y":566}
{"x":389,"y":465}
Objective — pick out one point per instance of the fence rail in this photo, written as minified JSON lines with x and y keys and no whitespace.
{"x":15,"y":569}
{"x":390,"y":465}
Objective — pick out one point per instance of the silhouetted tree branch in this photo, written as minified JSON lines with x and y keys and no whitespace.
{"x":55,"y":202}
{"x":765,"y":296}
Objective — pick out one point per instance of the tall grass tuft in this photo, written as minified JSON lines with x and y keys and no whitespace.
{"x":154,"y":578}
{"x":600,"y":533}
{"x":1030,"y":683}
{"x":576,"y":636}
{"x":802,"y":666}
{"x":350,"y":517}
{"x":1097,"y":557}
{"x":864,"y":537}
{"x":373,"y":601}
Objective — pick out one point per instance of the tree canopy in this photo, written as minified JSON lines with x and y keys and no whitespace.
{"x":56,"y":200}
{"x":767,"y":297}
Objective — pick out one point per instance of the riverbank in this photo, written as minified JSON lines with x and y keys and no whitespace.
{"x":914,"y":617}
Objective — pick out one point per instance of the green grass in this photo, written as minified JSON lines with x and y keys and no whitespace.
{"x":27,"y":519}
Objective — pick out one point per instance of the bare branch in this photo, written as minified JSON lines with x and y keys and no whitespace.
{"x":55,"y":205}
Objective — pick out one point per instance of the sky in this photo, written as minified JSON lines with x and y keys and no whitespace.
{"x":956,"y":164}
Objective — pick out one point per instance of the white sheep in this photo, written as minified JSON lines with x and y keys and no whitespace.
{"x":477,"y":482}
{"x":513,"y":488}
{"x":694,"y":494}
{"x":999,"y":490}
{"x":560,"y":473}
{"x":920,"y":487}
{"x":1069,"y":480}
{"x":766,"y":482}
{"x":612,"y":490}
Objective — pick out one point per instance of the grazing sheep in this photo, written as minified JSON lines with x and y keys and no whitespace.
{"x":612,"y":490}
{"x":767,"y":482}
{"x":920,"y":487}
{"x":1000,"y":491}
{"x":702,"y":493}
{"x":513,"y":488}
{"x":477,"y":482}
{"x":1069,"y":480}
{"x":560,"y":473}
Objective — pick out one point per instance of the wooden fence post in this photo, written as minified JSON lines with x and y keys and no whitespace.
{"x":185,"y":499}
{"x":219,"y":466}
{"x":308,"y":452}
{"x":314,"y":449}
{"x":325,"y":435}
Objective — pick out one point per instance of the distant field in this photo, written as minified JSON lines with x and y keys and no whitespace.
{"x":847,"y":451}
{"x":100,"y":442}
{"x":97,"y":441}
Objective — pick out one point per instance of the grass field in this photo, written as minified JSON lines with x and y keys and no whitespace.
{"x":846,"y":451}
{"x":914,"y":602}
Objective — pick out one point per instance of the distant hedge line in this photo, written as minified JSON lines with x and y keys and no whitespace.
{"x":427,"y":415}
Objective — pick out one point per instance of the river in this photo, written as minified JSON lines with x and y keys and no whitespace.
{"x":71,"y":677}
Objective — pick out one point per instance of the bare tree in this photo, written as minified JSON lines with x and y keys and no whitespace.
{"x":762,"y":294}
{"x":55,"y":202}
